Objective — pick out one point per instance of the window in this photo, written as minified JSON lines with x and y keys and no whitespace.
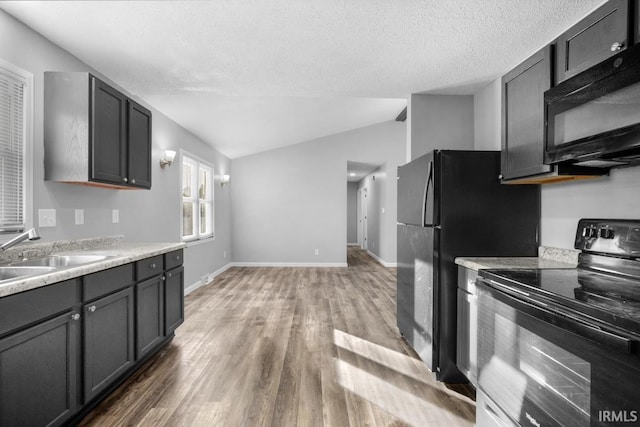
{"x":15,"y":121}
{"x":197,"y":199}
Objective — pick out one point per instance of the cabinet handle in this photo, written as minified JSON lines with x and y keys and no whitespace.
{"x":75,"y":316}
{"x":164,"y":278}
{"x":169,"y":275}
{"x":152,"y":265}
{"x":617,"y":46}
{"x":500,"y":177}
{"x":125,"y":179}
{"x":177,"y":257}
{"x":133,"y":181}
{"x":92,"y":308}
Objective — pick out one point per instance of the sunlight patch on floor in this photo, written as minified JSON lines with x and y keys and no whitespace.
{"x":422,"y":408}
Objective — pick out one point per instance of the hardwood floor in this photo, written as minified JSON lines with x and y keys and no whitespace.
{"x":289,"y":347}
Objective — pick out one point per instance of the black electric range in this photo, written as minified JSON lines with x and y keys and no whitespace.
{"x":606,"y":283}
{"x":566,"y":340}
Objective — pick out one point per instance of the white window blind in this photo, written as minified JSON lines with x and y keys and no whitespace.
{"x":12,"y":148}
{"x":197,"y":199}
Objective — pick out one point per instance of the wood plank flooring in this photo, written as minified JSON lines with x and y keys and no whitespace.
{"x":289,"y":347}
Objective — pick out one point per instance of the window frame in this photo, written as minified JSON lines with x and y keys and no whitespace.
{"x":198,"y":164}
{"x":27,"y":79}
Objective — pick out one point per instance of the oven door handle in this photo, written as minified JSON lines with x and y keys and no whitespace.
{"x":560,"y":317}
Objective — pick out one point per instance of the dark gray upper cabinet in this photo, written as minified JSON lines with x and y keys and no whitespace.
{"x":600,"y":35}
{"x":523,"y":116}
{"x":94,"y":134}
{"x":139,"y":148}
{"x":108,"y":134}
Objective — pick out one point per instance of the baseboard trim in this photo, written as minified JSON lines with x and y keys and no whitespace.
{"x":381,"y":261}
{"x":209,"y":278}
{"x":353,"y":244}
{"x":289,"y":264}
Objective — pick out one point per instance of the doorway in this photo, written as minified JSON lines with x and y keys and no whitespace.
{"x":362,"y":218}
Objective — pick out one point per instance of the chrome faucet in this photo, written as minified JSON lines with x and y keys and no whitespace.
{"x":27,"y":235}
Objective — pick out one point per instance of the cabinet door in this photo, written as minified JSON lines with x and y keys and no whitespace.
{"x":149,"y":318}
{"x":139,"y":148}
{"x":592,"y":40}
{"x":108,"y":340}
{"x":107,"y":150}
{"x":38,"y":374}
{"x":173,"y":299}
{"x":523,"y":116}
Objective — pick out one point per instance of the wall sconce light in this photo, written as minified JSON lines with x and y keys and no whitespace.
{"x":169,"y":155}
{"x":224,"y":179}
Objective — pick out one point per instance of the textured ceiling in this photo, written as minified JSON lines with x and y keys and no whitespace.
{"x":251,"y":75}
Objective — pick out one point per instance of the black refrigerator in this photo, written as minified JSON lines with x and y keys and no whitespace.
{"x":451,"y":204}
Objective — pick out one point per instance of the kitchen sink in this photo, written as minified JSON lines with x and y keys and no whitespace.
{"x":19,"y":272}
{"x":57,"y":261}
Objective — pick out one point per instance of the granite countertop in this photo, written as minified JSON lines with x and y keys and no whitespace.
{"x":117,"y":253}
{"x":547,"y":258}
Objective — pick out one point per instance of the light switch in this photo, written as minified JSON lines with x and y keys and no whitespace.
{"x":115,"y":216}
{"x":46,"y":217}
{"x":79,"y":216}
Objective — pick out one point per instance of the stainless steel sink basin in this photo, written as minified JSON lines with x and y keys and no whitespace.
{"x":56,"y":261}
{"x":19,"y":272}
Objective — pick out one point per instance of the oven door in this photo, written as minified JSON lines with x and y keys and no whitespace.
{"x":540,"y":367}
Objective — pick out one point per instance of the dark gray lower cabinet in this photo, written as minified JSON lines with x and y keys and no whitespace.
{"x":38,"y":373}
{"x":174,"y":299}
{"x":108,"y":340}
{"x":149,"y":310}
{"x":65,"y":346}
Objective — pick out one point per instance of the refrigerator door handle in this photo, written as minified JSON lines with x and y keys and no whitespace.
{"x":426,"y":194}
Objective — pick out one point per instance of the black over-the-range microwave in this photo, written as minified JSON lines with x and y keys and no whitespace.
{"x":593,"y":118}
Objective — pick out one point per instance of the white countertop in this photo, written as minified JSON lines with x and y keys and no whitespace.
{"x":119,"y":254}
{"x":548,"y":258}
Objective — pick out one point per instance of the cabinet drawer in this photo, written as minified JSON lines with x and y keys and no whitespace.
{"x":108,"y":281}
{"x":19,"y":310}
{"x":149,"y":267}
{"x":173,"y":259}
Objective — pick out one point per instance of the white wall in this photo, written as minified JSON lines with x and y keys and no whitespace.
{"x":290,"y":201}
{"x":439,"y":122}
{"x":487,"y":118}
{"x":145,"y":215}
{"x":563,"y":204}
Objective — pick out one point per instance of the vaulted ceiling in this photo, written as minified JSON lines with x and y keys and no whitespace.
{"x":252,"y":75}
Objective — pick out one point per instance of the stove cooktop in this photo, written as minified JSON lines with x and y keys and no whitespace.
{"x":609,"y":298}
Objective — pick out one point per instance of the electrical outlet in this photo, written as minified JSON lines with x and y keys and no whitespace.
{"x":46,"y":217}
{"x":317,"y":251}
{"x":224,"y":255}
{"x":79,"y":216}
{"x":115,"y":216}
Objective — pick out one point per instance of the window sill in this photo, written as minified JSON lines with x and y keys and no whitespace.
{"x":198,"y":242}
